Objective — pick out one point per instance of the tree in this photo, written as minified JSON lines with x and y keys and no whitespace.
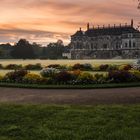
{"x":23,"y":50}
{"x":55,"y":50}
{"x":1,"y":52}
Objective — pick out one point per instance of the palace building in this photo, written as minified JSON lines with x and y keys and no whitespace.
{"x":109,"y":42}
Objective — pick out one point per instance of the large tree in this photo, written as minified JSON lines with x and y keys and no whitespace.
{"x":53,"y":50}
{"x":23,"y":50}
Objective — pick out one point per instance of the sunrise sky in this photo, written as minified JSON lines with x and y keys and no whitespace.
{"x":45,"y":21}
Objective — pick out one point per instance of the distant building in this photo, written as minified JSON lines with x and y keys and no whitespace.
{"x":66,"y":55}
{"x":121,"y":41}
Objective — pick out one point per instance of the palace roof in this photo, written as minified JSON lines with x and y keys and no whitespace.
{"x":110,"y":31}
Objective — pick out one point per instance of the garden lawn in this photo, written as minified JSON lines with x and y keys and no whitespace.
{"x":42,"y":122}
{"x":66,"y":62}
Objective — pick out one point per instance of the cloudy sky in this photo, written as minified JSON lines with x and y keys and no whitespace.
{"x":46,"y":21}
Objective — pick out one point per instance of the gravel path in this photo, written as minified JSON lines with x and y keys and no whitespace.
{"x":81,"y":97}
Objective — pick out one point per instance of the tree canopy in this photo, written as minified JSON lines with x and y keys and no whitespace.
{"x":23,"y":50}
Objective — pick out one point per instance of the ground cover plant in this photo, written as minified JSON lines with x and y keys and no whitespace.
{"x":24,"y":122}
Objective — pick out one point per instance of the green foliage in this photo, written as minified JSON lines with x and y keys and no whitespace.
{"x":85,"y":78}
{"x":64,"y":77}
{"x":5,"y":50}
{"x":121,"y":76}
{"x":125,"y":67}
{"x":16,"y":76}
{"x":34,"y":79}
{"x":33,"y":66}
{"x":13,"y":67}
{"x":23,"y":50}
{"x":100,"y":78}
{"x":1,"y":78}
{"x":136,"y":74}
{"x":53,"y":51}
{"x":83,"y":67}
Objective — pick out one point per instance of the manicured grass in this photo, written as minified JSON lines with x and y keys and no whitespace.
{"x":94,"y":86}
{"x":42,"y":122}
{"x":66,"y":62}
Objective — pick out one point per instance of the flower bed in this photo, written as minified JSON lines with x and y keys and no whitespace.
{"x":53,"y":76}
{"x":78,"y":74}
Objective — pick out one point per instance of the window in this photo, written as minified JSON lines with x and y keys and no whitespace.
{"x":92,"y":46}
{"x":130,"y":43}
{"x":134,"y":44}
{"x":126,"y":45}
{"x":105,"y":46}
{"x":117,"y":46}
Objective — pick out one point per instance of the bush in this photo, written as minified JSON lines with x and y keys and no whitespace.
{"x":49,"y":72}
{"x":13,"y":67}
{"x":100,"y":78}
{"x":76,"y":73}
{"x":120,"y":76}
{"x":15,"y":76}
{"x":85,"y":78}
{"x":33,"y":67}
{"x":77,"y":67}
{"x":136,"y":74}
{"x":112,"y":67}
{"x":136,"y":65}
{"x":64,"y":77}
{"x":85,"y":67}
{"x":125,"y":67}
{"x":56,"y":66}
{"x":1,"y":66}
{"x":103,"y":67}
{"x":1,"y":78}
{"x":34,"y":79}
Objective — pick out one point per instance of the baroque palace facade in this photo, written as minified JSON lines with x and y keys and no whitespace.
{"x":121,"y":41}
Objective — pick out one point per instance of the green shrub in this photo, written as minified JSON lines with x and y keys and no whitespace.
{"x":1,"y":66}
{"x":16,"y":76}
{"x":136,"y":74}
{"x":83,"y":67}
{"x":64,"y":77}
{"x":103,"y":67}
{"x":33,"y":66}
{"x":100,"y":78}
{"x":125,"y":67}
{"x":56,"y":66}
{"x":112,"y":67}
{"x":34,"y":79}
{"x":13,"y":67}
{"x":121,"y":76}
{"x":1,"y":78}
{"x":85,"y":78}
